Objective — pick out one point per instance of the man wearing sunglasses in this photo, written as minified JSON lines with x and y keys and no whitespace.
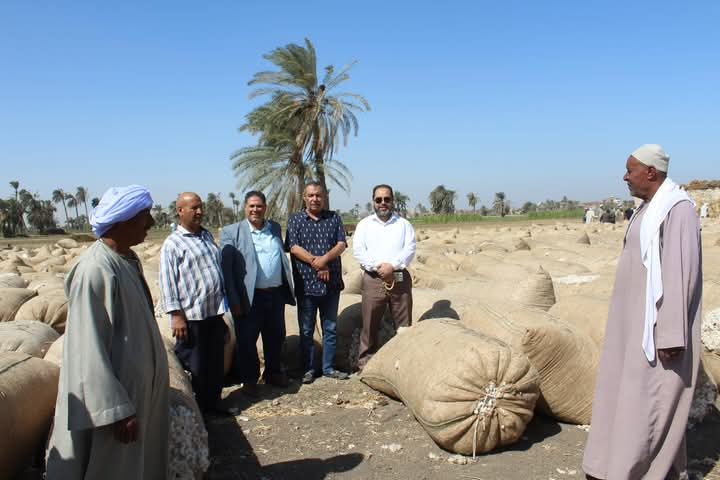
{"x":384,"y":245}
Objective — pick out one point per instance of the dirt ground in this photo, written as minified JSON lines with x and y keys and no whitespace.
{"x":336,"y":429}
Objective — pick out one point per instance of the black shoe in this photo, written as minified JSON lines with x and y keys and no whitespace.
{"x":336,"y":374}
{"x":308,"y":378}
{"x":277,"y":379}
{"x":250,"y":389}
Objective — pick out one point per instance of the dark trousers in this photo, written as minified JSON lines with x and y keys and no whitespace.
{"x":308,"y":307}
{"x":267,"y":318}
{"x":375,"y":299}
{"x":203,"y":355}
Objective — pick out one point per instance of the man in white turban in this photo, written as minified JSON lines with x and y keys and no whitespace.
{"x":111,"y":415}
{"x":651,"y":351}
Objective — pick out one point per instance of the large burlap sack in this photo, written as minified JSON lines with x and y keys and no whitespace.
{"x":12,"y":280}
{"x":566,"y":358}
{"x":353,"y":282}
{"x":470,"y":392}
{"x":50,"y":308}
{"x":55,"y":352}
{"x":11,"y":299}
{"x":188,"y":449}
{"x":27,"y":336}
{"x":587,"y":314}
{"x":28,"y":389}
{"x":536,"y":291}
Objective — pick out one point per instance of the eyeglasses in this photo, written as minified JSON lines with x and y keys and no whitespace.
{"x":380,"y":200}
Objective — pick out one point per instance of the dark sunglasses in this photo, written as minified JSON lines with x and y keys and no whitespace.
{"x":380,"y":200}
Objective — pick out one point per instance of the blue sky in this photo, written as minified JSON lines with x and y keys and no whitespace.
{"x":536,"y":99}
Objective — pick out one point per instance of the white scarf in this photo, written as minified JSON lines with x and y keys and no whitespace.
{"x":666,"y":197}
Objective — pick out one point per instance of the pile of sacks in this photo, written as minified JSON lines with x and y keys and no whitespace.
{"x":33,"y":314}
{"x":541,"y":294}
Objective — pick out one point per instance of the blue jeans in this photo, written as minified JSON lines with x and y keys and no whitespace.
{"x":308,"y":307}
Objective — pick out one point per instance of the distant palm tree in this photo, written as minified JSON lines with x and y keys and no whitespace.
{"x":15,"y":185}
{"x":232,"y":201}
{"x":58,"y":196}
{"x":401,"y":203}
{"x":442,"y":200}
{"x":302,"y":110}
{"x":499,"y":203}
{"x":94,"y":202}
{"x":81,"y":197}
{"x":472,"y":200}
{"x":73,"y":203}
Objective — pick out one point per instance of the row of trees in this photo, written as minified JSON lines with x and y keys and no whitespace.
{"x":299,"y":128}
{"x":26,"y":211}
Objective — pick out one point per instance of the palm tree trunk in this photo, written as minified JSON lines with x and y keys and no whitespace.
{"x":65,"y":208}
{"x":87,"y":215}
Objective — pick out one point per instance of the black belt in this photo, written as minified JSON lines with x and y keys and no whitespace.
{"x":266,"y":290}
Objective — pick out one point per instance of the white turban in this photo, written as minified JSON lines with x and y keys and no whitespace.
{"x":117,"y":205}
{"x":652,"y":155}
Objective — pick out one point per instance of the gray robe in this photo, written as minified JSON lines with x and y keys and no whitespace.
{"x":640,"y":409}
{"x":114,"y":365}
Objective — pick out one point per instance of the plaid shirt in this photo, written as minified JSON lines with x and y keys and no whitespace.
{"x":190,"y":275}
{"x":317,"y":237}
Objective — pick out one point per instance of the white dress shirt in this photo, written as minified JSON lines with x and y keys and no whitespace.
{"x":376,"y":242}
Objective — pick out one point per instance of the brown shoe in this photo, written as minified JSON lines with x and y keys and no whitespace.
{"x":250,"y":390}
{"x":277,"y":379}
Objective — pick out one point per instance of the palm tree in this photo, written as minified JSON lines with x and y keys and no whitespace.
{"x":94,"y":202}
{"x":73,"y":203}
{"x":15,"y":185}
{"x":58,"y":195}
{"x":81,"y":197}
{"x":301,"y":107}
{"x":442,"y":200}
{"x":472,"y":200}
{"x":401,"y":202}
{"x":18,"y":214}
{"x":499,"y":203}
{"x":232,"y":201}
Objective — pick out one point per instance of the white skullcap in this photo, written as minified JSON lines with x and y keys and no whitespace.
{"x":652,"y":155}
{"x":117,"y":205}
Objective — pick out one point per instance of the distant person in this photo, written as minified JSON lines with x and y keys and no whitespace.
{"x":704,"y":210}
{"x":384,"y":245}
{"x":111,"y":417}
{"x":650,"y":357}
{"x":629,"y":213}
{"x":589,"y":215}
{"x":173,"y":226}
{"x":315,"y":239}
{"x":192,"y":294}
{"x":607,"y":216}
{"x":258,"y":284}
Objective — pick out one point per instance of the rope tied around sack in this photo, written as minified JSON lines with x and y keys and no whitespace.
{"x":485,"y":405}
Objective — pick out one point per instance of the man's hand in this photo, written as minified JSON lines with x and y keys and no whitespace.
{"x":126,"y":430}
{"x":178,"y":323}
{"x":324,"y":275}
{"x":319,"y":263}
{"x":667,"y":354}
{"x":385,"y":270}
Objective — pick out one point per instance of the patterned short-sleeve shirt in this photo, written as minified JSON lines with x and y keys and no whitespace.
{"x":317,"y":237}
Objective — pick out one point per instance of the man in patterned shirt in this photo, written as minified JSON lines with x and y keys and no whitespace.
{"x":316,"y":238}
{"x":192,"y":293}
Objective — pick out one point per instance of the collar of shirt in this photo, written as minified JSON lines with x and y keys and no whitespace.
{"x":265,"y":228}
{"x":393,"y":218}
{"x":323,"y":214}
{"x":185,"y":232}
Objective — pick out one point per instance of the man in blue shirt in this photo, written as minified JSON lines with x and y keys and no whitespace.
{"x":316,"y":238}
{"x":258,"y":284}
